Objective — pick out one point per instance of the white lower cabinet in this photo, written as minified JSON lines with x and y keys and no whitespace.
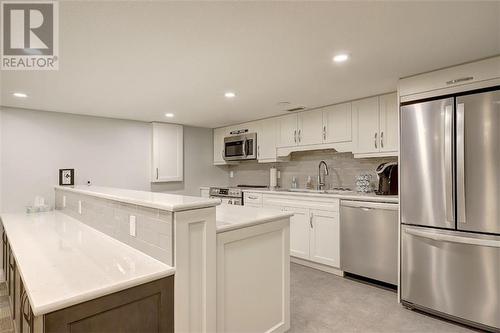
{"x":314,"y":227}
{"x":299,"y":232}
{"x":324,"y":237}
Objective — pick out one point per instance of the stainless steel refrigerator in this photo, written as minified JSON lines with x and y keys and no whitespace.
{"x":450,"y":206}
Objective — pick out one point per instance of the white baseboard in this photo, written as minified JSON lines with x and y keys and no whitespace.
{"x":321,"y":267}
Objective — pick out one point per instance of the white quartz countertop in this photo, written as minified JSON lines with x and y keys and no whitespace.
{"x":63,"y":262}
{"x":231,"y":217}
{"x":372,"y":197}
{"x":164,"y":201}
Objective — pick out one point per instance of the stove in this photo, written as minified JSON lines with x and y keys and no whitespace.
{"x":228,"y":195}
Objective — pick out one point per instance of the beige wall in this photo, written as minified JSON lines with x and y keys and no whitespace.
{"x":343,"y":169}
{"x":109,"y":152}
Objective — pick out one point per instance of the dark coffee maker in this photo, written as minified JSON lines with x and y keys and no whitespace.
{"x":387,"y":178}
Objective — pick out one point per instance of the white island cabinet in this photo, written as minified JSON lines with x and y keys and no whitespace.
{"x":253,"y":269}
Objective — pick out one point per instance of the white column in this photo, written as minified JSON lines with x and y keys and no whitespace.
{"x":195,"y":270}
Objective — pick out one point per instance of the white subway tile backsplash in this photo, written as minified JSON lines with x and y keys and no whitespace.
{"x":153,"y":226}
{"x":343,"y":169}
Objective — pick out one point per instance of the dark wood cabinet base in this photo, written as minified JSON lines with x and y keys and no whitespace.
{"x":145,"y":308}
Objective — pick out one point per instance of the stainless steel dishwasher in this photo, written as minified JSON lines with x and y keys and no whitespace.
{"x":369,"y":240}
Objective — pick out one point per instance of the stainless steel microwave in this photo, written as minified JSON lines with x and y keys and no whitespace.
{"x":240,"y":147}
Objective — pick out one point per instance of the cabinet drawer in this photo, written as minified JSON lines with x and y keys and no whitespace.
{"x":252,"y":199}
{"x":311,"y":202}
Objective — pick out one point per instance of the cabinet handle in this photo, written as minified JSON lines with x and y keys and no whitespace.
{"x":375,"y":140}
{"x":295,"y":136}
{"x":324,"y":132}
{"x":156,"y":173}
{"x":462,"y":79}
{"x":258,"y":151}
{"x":382,"y":139}
{"x":311,"y":220}
{"x":299,"y":135}
{"x":252,"y":197}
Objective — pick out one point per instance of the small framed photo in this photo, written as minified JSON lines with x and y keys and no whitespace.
{"x":66,"y":177}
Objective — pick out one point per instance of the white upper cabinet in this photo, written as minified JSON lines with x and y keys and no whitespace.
{"x":287,"y":130}
{"x":337,"y":123}
{"x":266,"y":140}
{"x":366,"y":139}
{"x":219,"y":134}
{"x":309,"y":127}
{"x":167,"y":153}
{"x":375,"y":126}
{"x":389,"y":121}
{"x":473,"y":75}
{"x":366,"y":127}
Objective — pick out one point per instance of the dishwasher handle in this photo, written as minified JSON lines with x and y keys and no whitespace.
{"x":364,"y":205}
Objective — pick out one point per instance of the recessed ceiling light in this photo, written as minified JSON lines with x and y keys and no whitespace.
{"x":169,"y":115}
{"x":20,"y":95}
{"x":341,"y":57}
{"x":230,"y":94}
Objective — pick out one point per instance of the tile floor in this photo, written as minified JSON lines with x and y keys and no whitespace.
{"x":322,"y":302}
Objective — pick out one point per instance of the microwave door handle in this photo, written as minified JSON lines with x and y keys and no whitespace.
{"x":245,"y":147}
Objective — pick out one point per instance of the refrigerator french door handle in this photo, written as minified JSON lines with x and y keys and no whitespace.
{"x":452,"y":238}
{"x":448,"y":161}
{"x":461,"y":163}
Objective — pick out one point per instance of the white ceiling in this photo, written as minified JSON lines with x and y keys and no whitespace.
{"x":140,"y":60}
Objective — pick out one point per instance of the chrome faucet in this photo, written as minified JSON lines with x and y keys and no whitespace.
{"x":321,"y":180}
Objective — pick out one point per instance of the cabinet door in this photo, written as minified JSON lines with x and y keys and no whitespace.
{"x":325,"y":245}
{"x":219,"y":134}
{"x":366,"y":115}
{"x":299,"y":232}
{"x":389,"y":122}
{"x":266,"y":140}
{"x":287,"y":130}
{"x":168,"y":153}
{"x":310,"y":125}
{"x":337,"y":123}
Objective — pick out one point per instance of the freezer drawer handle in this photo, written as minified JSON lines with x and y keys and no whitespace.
{"x":453,"y":239}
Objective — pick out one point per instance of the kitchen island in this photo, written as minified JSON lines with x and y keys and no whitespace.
{"x":63,"y":275}
{"x":231,"y":263}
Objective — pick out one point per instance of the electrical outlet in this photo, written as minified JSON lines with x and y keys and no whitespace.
{"x":80,"y":207}
{"x":64,"y":201}
{"x":132,"y":225}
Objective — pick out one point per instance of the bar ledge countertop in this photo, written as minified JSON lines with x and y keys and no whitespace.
{"x":63,"y":262}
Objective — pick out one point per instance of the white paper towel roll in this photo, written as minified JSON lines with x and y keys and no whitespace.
{"x":273,"y":178}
